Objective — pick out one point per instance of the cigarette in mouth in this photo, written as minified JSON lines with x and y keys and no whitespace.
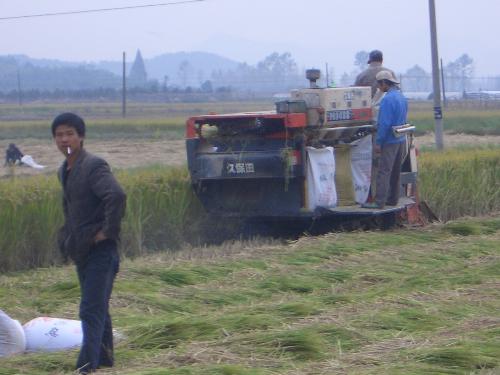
{"x":69,"y":150}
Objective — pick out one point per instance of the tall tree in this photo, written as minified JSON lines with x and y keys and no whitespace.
{"x":276,"y":69}
{"x":184,"y":72}
{"x":465,"y":64}
{"x":275,"y":63}
{"x":346,"y":79}
{"x":459,"y":72}
{"x":138,"y":76}
{"x":416,"y":79}
{"x":360,"y":59}
{"x":207,"y":87}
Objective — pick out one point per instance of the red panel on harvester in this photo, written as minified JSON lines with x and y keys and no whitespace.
{"x":296,"y":120}
{"x":190,"y":129}
{"x":362,"y":114}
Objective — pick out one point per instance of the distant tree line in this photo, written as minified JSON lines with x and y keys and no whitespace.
{"x":30,"y":77}
{"x":153,"y":93}
{"x":276,"y":73}
{"x":458,"y":76}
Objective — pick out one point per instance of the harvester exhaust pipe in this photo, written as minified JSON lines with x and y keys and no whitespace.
{"x":313,"y":75}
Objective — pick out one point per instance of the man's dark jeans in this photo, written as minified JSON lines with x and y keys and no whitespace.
{"x":96,"y":276}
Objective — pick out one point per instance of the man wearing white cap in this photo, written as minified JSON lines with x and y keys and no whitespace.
{"x":393,"y":112}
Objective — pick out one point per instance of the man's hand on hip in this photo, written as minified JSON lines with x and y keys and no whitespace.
{"x":100,"y":236}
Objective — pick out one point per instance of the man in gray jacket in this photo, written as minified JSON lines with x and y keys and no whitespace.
{"x":367,"y":76}
{"x":94,"y":205}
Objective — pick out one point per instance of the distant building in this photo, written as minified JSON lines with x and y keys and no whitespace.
{"x":138,"y":76}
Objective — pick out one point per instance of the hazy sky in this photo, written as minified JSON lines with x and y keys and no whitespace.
{"x":314,"y":31}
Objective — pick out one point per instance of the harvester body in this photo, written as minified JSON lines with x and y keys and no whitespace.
{"x":297,"y":161}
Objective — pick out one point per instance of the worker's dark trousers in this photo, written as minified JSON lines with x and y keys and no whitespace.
{"x":388,"y":175}
{"x":96,"y":278}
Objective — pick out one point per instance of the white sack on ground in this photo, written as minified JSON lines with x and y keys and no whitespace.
{"x":321,"y":190}
{"x":361,"y":166}
{"x":12,"y":339}
{"x":28,"y":160}
{"x":52,"y":334}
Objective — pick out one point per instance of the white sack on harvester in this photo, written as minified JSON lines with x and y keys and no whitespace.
{"x":321,"y":189}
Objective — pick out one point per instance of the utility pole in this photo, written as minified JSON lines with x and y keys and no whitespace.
{"x":438,"y":112}
{"x":327,"y":78}
{"x":124,"y":90}
{"x":19,"y":92}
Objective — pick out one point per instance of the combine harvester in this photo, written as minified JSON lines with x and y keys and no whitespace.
{"x":311,"y":158}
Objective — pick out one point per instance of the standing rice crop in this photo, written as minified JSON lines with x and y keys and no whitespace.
{"x":461,"y":182}
{"x":162,"y":213}
{"x":29,"y":213}
{"x":161,"y":208}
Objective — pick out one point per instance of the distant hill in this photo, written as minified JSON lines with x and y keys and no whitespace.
{"x":201,"y":65}
{"x":42,"y":63}
{"x":50,"y":74}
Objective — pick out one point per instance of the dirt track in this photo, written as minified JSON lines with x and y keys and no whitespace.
{"x":119,"y":154}
{"x":123,"y":154}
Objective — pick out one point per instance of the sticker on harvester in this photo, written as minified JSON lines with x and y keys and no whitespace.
{"x":240,"y":168}
{"x":339,"y":115}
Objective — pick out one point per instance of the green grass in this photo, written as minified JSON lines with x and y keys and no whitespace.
{"x":103,"y":129}
{"x":106,"y":110}
{"x":475,"y":120}
{"x":410,"y":301}
{"x":104,"y":120}
{"x":212,"y":370}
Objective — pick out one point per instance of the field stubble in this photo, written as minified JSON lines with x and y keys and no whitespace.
{"x":422,"y":302}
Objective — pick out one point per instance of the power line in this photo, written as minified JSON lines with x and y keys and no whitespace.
{"x":100,"y":10}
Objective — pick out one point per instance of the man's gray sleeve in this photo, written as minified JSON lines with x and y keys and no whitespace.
{"x":105,"y":186}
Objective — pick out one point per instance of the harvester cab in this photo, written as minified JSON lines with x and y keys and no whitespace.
{"x":311,"y":156}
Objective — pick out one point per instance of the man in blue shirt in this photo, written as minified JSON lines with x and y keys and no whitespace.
{"x":393,"y":111}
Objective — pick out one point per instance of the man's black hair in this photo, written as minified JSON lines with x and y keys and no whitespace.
{"x":71,"y":120}
{"x":375,"y":55}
